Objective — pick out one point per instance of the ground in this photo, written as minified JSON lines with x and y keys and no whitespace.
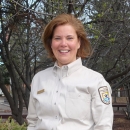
{"x":121,"y":124}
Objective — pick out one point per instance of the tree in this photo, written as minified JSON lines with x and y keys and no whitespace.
{"x":15,"y":53}
{"x":108,"y":31}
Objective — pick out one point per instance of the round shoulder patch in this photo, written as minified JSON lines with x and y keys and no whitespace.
{"x":104,"y":94}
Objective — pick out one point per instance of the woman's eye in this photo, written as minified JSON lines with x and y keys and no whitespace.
{"x":69,"y":38}
{"x":57,"y":38}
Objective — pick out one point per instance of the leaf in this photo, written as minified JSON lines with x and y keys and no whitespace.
{"x":112,"y":40}
{"x":96,"y":37}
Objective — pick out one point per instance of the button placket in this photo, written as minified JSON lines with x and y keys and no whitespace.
{"x":56,"y":98}
{"x":57,"y":91}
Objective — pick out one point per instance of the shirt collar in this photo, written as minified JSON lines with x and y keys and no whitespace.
{"x":67,"y":70}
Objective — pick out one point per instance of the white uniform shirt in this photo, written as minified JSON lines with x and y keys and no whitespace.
{"x":70,"y":98}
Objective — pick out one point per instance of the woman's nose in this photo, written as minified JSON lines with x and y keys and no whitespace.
{"x":63,"y":42}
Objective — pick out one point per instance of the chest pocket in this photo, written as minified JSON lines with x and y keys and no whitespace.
{"x":78,"y":106}
{"x":44,"y":103}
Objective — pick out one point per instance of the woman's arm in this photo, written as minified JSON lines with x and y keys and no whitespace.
{"x":102,"y":110}
{"x":31,"y":117}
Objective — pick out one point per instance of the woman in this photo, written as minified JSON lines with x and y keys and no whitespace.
{"x":69,"y":96}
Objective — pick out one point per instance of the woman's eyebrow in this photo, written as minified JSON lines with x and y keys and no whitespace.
{"x":56,"y":36}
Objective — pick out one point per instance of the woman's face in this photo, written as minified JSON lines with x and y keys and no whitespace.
{"x":65,"y":44}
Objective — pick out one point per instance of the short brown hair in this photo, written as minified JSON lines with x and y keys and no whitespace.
{"x":62,"y":19}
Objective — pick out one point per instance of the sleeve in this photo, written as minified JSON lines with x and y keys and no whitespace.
{"x":102,"y":110}
{"x":32,"y":116}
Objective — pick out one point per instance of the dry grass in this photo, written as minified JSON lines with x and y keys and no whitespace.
{"x":121,"y":124}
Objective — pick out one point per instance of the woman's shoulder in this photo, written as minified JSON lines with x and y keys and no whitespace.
{"x":92,"y":72}
{"x":44,"y":72}
{"x":40,"y":77}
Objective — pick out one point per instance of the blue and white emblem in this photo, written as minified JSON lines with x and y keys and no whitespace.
{"x":104,"y":95}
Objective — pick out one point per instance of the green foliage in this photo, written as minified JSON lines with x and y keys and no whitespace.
{"x":96,"y":37}
{"x":100,"y":15}
{"x":112,"y":40}
{"x":11,"y":124}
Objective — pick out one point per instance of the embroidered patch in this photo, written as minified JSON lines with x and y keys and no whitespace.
{"x":40,"y":91}
{"x":104,"y":95}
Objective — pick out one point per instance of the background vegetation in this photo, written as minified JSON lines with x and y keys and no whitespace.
{"x":22,"y":53}
{"x":11,"y":124}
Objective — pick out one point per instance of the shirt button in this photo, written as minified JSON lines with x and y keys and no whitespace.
{"x":57,"y":91}
{"x":55,"y":103}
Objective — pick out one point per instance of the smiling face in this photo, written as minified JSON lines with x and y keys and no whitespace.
{"x":65,"y":44}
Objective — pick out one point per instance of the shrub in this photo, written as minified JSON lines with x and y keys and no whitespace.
{"x":11,"y":124}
